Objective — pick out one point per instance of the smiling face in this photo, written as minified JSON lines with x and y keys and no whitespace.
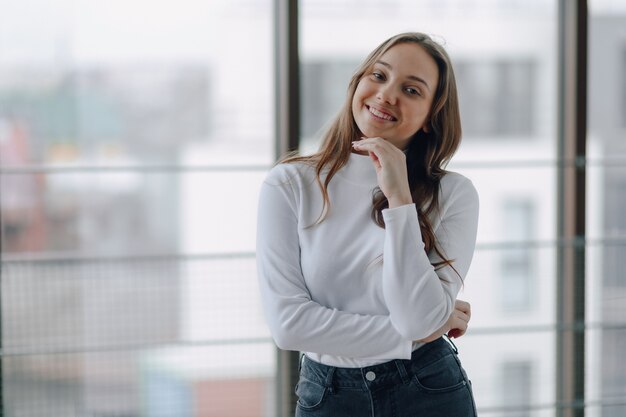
{"x":394,"y":97}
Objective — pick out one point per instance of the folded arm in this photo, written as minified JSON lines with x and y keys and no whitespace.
{"x":296,"y":321}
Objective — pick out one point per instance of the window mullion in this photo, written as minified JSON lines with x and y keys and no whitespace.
{"x":570,"y":338}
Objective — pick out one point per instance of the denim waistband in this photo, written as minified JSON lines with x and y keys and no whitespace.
{"x":388,"y":373}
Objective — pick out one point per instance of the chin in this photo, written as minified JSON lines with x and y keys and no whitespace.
{"x":368,"y":132}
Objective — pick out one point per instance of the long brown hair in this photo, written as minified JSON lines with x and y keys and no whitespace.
{"x":426,"y":155}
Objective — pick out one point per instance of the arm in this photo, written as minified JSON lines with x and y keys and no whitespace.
{"x":419,"y":297}
{"x":296,"y":321}
{"x":457,"y":323}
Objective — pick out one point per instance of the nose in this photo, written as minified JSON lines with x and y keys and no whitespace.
{"x":386,"y":94}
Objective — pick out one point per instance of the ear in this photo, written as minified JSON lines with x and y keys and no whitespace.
{"x":426,"y":127}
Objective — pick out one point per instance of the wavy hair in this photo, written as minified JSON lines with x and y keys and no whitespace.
{"x":426,"y":155}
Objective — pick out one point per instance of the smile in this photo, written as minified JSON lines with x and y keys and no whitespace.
{"x":381,"y":115}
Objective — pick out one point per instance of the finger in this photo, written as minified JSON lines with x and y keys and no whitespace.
{"x":458,"y":318}
{"x":380,"y":157}
{"x":371,"y":145}
{"x":377,"y":143}
{"x":460,"y":313}
{"x":375,"y":159}
{"x":456,"y":333}
{"x":464,"y":317}
{"x":463,"y":306}
{"x":457,"y":328}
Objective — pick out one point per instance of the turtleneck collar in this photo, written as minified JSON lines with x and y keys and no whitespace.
{"x":360,"y":169}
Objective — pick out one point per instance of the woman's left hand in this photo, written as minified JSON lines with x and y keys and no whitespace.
{"x":390,"y":165}
{"x":456,"y":326}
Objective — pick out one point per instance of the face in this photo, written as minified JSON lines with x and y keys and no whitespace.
{"x":394,"y":96}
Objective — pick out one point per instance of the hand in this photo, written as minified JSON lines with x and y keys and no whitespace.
{"x":390,"y":165}
{"x":456,"y":326}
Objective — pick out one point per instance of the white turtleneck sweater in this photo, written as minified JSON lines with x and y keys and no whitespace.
{"x":327,"y":291}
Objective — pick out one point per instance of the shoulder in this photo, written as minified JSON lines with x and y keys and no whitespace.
{"x":458,"y":189}
{"x":290,"y":174}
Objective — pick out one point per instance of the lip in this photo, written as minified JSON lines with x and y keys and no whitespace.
{"x":382,"y":114}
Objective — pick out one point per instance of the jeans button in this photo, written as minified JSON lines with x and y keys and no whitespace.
{"x":370,"y":376}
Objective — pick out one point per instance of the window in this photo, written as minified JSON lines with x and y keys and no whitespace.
{"x":500,"y":66}
{"x":517,"y":265}
{"x":516,"y":387}
{"x":128,"y":283}
{"x":606,"y":202}
{"x":615,"y":227}
{"x":623,"y":87}
{"x":324,"y":85}
{"x":496,"y":97}
{"x":118,"y":282}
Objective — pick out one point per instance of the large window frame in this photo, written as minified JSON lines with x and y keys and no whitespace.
{"x":571,"y":210}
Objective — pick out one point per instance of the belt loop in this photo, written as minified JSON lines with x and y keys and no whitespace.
{"x":300,"y":362}
{"x":454,"y":348}
{"x":402,"y":370}
{"x":329,"y":378}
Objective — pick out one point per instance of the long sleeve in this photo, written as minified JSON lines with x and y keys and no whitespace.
{"x":296,"y":321}
{"x":420,"y":297}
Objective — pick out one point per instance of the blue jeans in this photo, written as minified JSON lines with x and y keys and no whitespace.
{"x":431,"y":384}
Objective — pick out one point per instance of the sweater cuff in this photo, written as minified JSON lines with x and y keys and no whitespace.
{"x":401,"y":212}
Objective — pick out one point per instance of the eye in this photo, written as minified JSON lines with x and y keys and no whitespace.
{"x":378,"y":75}
{"x":412,"y":91}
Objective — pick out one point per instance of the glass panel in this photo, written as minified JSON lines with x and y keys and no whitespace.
{"x":606,"y":410}
{"x":607,"y":79}
{"x":68,"y":307}
{"x":508,"y":350}
{"x":211,"y":381}
{"x":606,"y":375}
{"x":505,"y":73}
{"x":91,"y":213}
{"x":504,"y":192}
{"x":119,"y":82}
{"x":606,"y":199}
{"x":606,"y":205}
{"x":545,"y":411}
{"x":501,"y":86}
{"x":491,"y":359}
{"x":493,"y":293}
{"x":507,"y":86}
{"x":134,"y":137}
{"x":606,"y":317}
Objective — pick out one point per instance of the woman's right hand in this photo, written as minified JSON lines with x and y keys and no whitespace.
{"x":390,"y":164}
{"x":456,"y":326}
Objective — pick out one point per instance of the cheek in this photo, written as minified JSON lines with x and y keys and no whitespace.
{"x":357,"y":98}
{"x":358,"y":94}
{"x":420,"y":113}
{"x":364,"y":89}
{"x":354,"y":103}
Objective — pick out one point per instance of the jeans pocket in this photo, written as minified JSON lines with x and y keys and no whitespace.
{"x":443,"y":375}
{"x":310,"y":394}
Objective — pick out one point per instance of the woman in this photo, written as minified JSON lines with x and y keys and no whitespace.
{"x":362,"y":247}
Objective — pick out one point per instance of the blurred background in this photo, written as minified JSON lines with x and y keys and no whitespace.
{"x":135,"y":134}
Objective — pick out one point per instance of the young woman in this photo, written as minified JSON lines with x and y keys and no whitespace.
{"x":363,"y":247}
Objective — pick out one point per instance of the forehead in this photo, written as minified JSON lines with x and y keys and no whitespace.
{"x":411,"y":59}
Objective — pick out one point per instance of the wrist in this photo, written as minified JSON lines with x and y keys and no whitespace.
{"x":399,"y":201}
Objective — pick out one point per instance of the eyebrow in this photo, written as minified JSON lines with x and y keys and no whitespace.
{"x":410,"y":77}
